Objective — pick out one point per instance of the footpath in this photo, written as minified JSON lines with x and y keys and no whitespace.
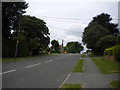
{"x":91,"y":77}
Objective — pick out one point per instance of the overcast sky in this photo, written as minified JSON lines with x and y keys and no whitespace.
{"x":67,"y":19}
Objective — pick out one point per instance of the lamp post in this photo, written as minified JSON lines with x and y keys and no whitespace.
{"x":16,"y":50}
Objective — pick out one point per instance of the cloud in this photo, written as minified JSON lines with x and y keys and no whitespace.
{"x":67,"y":29}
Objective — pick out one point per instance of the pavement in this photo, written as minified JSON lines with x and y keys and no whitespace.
{"x":91,"y":77}
{"x":41,"y":72}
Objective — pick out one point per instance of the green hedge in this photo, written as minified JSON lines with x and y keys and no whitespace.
{"x":114,"y":51}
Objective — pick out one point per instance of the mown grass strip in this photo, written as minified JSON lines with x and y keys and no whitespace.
{"x":12,"y":59}
{"x":78,"y":66}
{"x":107,"y":66}
{"x":70,"y":86}
{"x":115,"y":84}
{"x":82,"y":55}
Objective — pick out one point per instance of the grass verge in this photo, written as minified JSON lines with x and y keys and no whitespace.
{"x":115,"y":84}
{"x":71,"y":86}
{"x":107,"y":66}
{"x":12,"y":59}
{"x":78,"y":66}
{"x":82,"y":55}
{"x":92,"y":55}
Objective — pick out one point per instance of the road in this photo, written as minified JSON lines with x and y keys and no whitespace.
{"x":41,"y":72}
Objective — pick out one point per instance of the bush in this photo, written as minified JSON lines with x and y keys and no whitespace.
{"x":114,"y":51}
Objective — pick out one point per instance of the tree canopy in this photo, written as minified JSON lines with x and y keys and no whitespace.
{"x":10,"y":14}
{"x":106,"y":42}
{"x":31,"y":32}
{"x":74,"y":47}
{"x":100,"y":26}
{"x":104,"y":19}
{"x":55,"y":46}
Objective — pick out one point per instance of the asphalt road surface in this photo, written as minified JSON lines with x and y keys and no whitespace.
{"x":41,"y":72}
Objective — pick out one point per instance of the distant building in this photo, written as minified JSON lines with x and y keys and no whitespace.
{"x":119,"y":16}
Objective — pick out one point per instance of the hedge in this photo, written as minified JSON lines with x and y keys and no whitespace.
{"x":114,"y":51}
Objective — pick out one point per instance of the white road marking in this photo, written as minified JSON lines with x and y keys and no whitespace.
{"x":65,"y":79}
{"x":33,"y":65}
{"x":48,"y":61}
{"x":8,"y":71}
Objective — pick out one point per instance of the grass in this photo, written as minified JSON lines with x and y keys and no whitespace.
{"x":115,"y":84}
{"x":107,"y":66}
{"x":70,"y":86}
{"x":78,"y":66}
{"x":12,"y":59}
{"x":92,"y":55}
{"x":82,"y":55}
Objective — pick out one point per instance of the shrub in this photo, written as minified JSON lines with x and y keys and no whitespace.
{"x":114,"y":51}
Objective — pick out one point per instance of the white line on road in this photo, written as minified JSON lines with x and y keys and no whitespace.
{"x":33,"y":65}
{"x":65,"y":79}
{"x":8,"y":71}
{"x":48,"y":61}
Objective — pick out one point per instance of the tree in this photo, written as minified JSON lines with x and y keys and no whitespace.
{"x":106,"y":42}
{"x":104,"y":20}
{"x":55,"y":46}
{"x":35,"y":32}
{"x":100,"y":26}
{"x":92,"y":34}
{"x":74,"y":47}
{"x":10,"y":14}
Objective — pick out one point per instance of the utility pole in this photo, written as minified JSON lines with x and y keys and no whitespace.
{"x":16,"y":50}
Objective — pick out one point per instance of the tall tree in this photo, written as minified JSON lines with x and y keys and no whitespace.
{"x":74,"y":47}
{"x":92,"y":34}
{"x":104,"y":19}
{"x":10,"y":14}
{"x":100,"y":26}
{"x":55,"y":46}
{"x":35,"y":32}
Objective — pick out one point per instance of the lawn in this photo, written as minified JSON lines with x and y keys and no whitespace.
{"x":107,"y":66}
{"x":78,"y":66}
{"x":82,"y":55}
{"x":115,"y":84}
{"x":12,"y":59}
{"x":71,"y":86}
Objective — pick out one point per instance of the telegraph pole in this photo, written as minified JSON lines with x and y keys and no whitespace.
{"x":16,"y":50}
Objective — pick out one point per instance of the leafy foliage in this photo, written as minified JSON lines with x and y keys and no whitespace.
{"x":114,"y":51}
{"x":104,"y":20}
{"x":74,"y":47}
{"x":10,"y":14}
{"x":55,"y":46}
{"x":35,"y":32}
{"x":31,"y":32}
{"x":100,"y":26}
{"x":92,"y":34}
{"x":106,"y":42}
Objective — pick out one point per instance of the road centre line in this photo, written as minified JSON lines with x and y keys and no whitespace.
{"x":48,"y":61}
{"x":33,"y":65}
{"x":8,"y":71}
